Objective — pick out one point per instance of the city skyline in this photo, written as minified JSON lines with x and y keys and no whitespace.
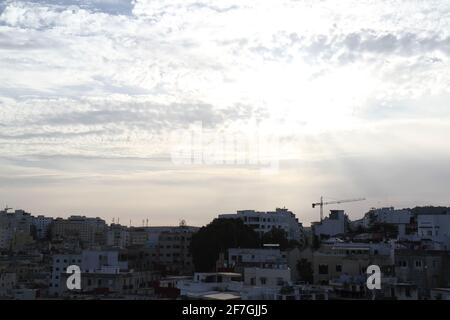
{"x":352,"y":97}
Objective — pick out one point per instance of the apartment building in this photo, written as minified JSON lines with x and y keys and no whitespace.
{"x":42,"y":226}
{"x":401,"y":218}
{"x":435,"y":228}
{"x":172,"y":250}
{"x":240,"y":258}
{"x":90,"y":231}
{"x":89,"y":261}
{"x":335,"y":224}
{"x":426,"y":269}
{"x":332,"y":261}
{"x":15,"y":230}
{"x":271,"y":277}
{"x":118,"y":236}
{"x":263,"y":222}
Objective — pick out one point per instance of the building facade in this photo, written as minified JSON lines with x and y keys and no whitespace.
{"x":263,"y":222}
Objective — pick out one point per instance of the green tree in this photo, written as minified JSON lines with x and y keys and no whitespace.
{"x":217,"y":237}
{"x":278,"y":236}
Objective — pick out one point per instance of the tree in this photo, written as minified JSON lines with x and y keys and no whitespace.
{"x":216,"y":238}
{"x":278,"y":236}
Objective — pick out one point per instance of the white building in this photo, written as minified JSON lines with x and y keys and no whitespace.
{"x":400,"y":218}
{"x":205,"y":285}
{"x":263,"y":222}
{"x":436,"y":228}
{"x":89,"y":261}
{"x":271,"y":277}
{"x":333,"y":225}
{"x":118,"y":236}
{"x":263,"y":258}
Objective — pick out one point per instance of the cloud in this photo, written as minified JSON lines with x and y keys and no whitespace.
{"x":113,"y":78}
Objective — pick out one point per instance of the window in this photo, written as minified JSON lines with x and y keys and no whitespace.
{"x":402,"y":263}
{"x":418,"y":264}
{"x":263,"y":280}
{"x":338,"y":268}
{"x":323,"y":269}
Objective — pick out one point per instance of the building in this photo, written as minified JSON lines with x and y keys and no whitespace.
{"x":172,"y":250}
{"x":89,"y":261}
{"x":118,"y":236}
{"x":8,"y":281}
{"x":425,"y":269}
{"x":126,"y":282}
{"x":165,"y":249}
{"x":89,"y":231}
{"x":335,"y":224}
{"x":139,"y":236}
{"x":335,"y":260}
{"x":435,"y":228}
{"x":240,"y":258}
{"x":302,"y":292}
{"x":402,"y":219}
{"x":263,"y":222}
{"x":271,"y":277}
{"x":211,"y":286}
{"x":59,"y":267}
{"x":15,"y":230}
{"x":42,"y":226}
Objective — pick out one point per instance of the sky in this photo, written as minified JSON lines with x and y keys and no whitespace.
{"x":180,"y":109}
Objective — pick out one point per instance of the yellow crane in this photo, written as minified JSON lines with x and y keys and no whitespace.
{"x":321,"y":204}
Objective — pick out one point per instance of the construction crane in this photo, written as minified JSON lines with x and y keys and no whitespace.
{"x":321,"y":204}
